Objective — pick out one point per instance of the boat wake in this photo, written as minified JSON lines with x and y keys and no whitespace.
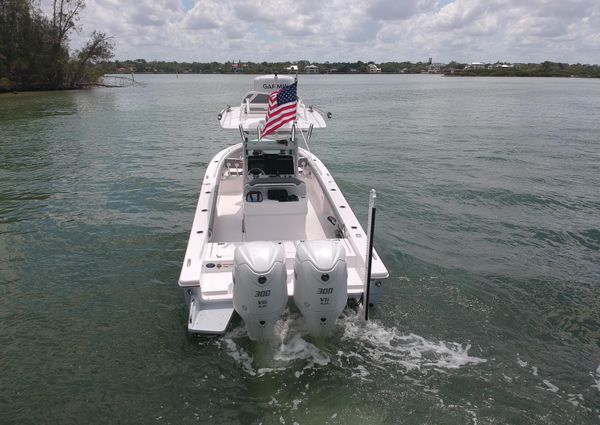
{"x":383,"y":346}
{"x":362,"y":347}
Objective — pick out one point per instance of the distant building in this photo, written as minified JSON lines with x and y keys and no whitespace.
{"x":238,"y":68}
{"x":502,"y":65}
{"x":475,"y":65}
{"x":372,"y":69}
{"x":435,"y":68}
{"x":311,"y":69}
{"x":292,"y":68}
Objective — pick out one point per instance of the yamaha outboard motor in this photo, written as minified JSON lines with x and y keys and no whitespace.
{"x":321,"y":283}
{"x":259,"y":286}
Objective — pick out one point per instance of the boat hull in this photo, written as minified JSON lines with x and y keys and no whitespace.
{"x":218,"y":228}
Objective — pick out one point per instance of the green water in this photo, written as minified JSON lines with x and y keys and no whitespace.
{"x":488,"y":220}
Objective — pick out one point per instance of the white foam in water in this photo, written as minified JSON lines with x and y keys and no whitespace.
{"x":386,"y":345}
{"x":596,"y":378}
{"x":575,"y":399}
{"x":288,"y":345}
{"x":239,"y":355}
{"x":521,"y":362}
{"x":551,"y":386}
{"x":361,"y":372}
{"x":294,"y":347}
{"x":369,"y":345}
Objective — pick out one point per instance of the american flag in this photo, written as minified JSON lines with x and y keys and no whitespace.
{"x":282,"y":108}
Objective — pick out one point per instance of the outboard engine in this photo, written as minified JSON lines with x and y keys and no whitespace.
{"x":259,"y":286}
{"x":321,"y":283}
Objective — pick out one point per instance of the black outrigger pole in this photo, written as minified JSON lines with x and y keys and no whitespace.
{"x":369,"y":256}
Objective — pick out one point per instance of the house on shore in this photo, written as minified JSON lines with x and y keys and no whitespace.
{"x":435,"y":68}
{"x":475,"y":65}
{"x":311,"y":69}
{"x":239,"y":67}
{"x":373,"y":69}
{"x":502,"y":65}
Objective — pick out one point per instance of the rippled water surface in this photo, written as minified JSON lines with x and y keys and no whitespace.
{"x":489,"y":222}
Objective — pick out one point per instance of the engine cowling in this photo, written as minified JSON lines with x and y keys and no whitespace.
{"x":259,"y":286}
{"x":321,"y":283}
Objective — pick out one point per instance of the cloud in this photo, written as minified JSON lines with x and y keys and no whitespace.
{"x":146,"y":16}
{"x":261,"y":11}
{"x":394,"y":9}
{"x":200,"y":22}
{"x":380,"y":30}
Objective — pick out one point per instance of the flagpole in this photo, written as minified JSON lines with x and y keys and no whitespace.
{"x":296,"y":117}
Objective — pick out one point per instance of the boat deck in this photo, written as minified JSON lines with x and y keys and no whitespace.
{"x":216,"y":280}
{"x":227,"y":224}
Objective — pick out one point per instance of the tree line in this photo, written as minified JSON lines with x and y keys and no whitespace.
{"x":544,"y":69}
{"x":34,"y":48}
{"x":233,"y":67}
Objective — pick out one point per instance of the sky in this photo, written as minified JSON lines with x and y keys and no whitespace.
{"x":348,"y":30}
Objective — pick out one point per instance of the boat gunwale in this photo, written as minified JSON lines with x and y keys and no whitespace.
{"x":207,"y":202}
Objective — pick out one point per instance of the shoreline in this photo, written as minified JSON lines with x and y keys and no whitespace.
{"x":460,"y":74}
{"x":6,"y":93}
{"x":366,"y":73}
{"x":38,"y":90}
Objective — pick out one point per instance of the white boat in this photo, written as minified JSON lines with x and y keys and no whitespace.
{"x":273,"y":229}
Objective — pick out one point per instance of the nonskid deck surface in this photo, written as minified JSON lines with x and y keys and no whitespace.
{"x":227,"y":225}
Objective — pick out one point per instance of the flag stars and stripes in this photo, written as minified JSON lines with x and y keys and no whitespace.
{"x":282,"y":108}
